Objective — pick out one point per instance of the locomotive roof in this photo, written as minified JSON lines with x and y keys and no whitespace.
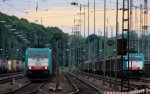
{"x":39,"y":49}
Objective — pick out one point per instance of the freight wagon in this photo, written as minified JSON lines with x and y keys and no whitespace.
{"x":11,"y":66}
{"x":114,"y":65}
{"x":1,"y":66}
{"x":147,"y":68}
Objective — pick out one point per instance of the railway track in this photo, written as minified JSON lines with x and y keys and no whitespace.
{"x":29,"y":88}
{"x":113,"y":81}
{"x":145,"y":80}
{"x":8,"y":79}
{"x":80,"y":86}
{"x":9,"y":74}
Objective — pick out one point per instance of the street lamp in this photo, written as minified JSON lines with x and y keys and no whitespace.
{"x":20,"y":35}
{"x":12,"y":29}
{"x":8,"y":26}
{"x":25,"y":39}
{"x":2,"y":21}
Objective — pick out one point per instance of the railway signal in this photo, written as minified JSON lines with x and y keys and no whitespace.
{"x":74,"y":3}
{"x":57,"y":37}
{"x":110,"y":43}
{"x":121,"y":46}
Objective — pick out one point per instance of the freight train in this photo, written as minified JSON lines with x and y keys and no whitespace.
{"x":114,"y":65}
{"x":147,"y":68}
{"x":11,"y":66}
{"x":39,"y":63}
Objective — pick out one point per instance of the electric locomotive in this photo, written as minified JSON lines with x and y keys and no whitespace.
{"x":39,"y":63}
{"x":134,"y":69}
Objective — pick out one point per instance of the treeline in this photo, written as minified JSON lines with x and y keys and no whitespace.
{"x":16,"y":35}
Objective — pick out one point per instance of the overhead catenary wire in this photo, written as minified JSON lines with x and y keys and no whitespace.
{"x":55,"y":6}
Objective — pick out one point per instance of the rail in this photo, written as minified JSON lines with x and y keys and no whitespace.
{"x":74,"y":86}
{"x":93,"y":87}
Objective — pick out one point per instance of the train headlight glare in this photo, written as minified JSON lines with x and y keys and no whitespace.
{"x":45,"y":67}
{"x":29,"y":67}
{"x":140,"y":68}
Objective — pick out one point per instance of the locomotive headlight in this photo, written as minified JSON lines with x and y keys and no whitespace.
{"x":140,"y":68}
{"x":45,"y":67}
{"x":29,"y":67}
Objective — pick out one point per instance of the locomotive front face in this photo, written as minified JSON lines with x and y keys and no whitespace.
{"x":136,"y":62}
{"x":38,"y":61}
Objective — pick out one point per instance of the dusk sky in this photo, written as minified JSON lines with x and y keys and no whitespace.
{"x":61,"y":13}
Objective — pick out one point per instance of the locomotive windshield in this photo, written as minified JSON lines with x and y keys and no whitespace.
{"x":38,"y":58}
{"x":135,"y":58}
{"x":39,"y":55}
